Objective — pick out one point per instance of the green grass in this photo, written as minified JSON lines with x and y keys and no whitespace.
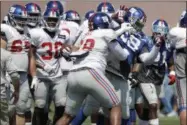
{"x":162,"y":121}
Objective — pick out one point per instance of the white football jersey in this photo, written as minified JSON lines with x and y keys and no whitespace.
{"x":47,"y":50}
{"x":18,"y":44}
{"x":7,"y":67}
{"x":177,"y":37}
{"x":69,"y":29}
{"x":97,"y":43}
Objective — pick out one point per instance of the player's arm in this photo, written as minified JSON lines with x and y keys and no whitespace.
{"x":110,"y":34}
{"x":149,"y":57}
{"x":3,"y":43}
{"x":122,"y":55}
{"x":32,"y":61}
{"x":117,"y":50}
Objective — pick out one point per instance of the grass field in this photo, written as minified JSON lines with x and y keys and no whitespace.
{"x":163,"y":120}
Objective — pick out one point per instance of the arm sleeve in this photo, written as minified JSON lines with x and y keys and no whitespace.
{"x":65,"y":36}
{"x":10,"y":66}
{"x":33,"y":38}
{"x":118,"y":51}
{"x":149,"y":57}
{"x":111,"y":34}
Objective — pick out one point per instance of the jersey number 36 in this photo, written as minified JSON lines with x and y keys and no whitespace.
{"x":57,"y":46}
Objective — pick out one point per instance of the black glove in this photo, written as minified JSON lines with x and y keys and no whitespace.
{"x":132,"y":78}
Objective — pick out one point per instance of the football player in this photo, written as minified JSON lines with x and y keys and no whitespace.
{"x":92,"y":67}
{"x":18,"y":45}
{"x":177,"y":37}
{"x":33,"y":21}
{"x":47,"y":45}
{"x":137,"y":45}
{"x":7,"y":66}
{"x":153,"y":74}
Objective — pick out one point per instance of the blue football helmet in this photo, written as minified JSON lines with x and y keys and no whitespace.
{"x":160,"y":26}
{"x":55,"y":5}
{"x":136,"y":17}
{"x":51,"y":19}
{"x":89,"y":14}
{"x":18,"y":16}
{"x":99,"y":21}
{"x":105,"y":7}
{"x":183,"y":19}
{"x":72,"y":15}
{"x":34,"y":14}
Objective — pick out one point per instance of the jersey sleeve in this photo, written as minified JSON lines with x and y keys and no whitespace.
{"x":9,"y":65}
{"x":177,"y":37}
{"x":109,"y":35}
{"x":118,"y":51}
{"x":64,"y":35}
{"x":34,"y":34}
{"x":5,"y":32}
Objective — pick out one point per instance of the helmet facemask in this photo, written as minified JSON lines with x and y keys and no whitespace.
{"x":138,"y":24}
{"x":51,"y":23}
{"x":34,"y":19}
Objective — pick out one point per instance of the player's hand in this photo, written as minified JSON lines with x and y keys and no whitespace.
{"x":15,"y":97}
{"x":35,"y":82}
{"x":128,"y":28}
{"x":66,"y":51}
{"x":121,"y":13}
{"x":133,"y":82}
{"x":172,"y":78}
{"x":48,"y":68}
{"x":158,"y":40}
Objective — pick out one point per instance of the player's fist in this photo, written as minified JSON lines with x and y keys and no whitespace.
{"x":48,"y":68}
{"x":172,"y":78}
{"x":133,"y":81}
{"x":127,"y":27}
{"x":35,"y":82}
{"x":66,"y":51}
{"x":158,"y":40}
{"x":121,"y":13}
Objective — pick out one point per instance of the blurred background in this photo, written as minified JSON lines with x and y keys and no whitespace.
{"x":168,"y":10}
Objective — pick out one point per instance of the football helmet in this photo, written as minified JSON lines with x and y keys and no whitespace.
{"x":51,"y":19}
{"x":160,"y":26}
{"x":99,"y":21}
{"x":34,"y":14}
{"x":72,"y":15}
{"x":55,"y":5}
{"x":88,"y":14}
{"x":18,"y":16}
{"x":105,"y":7}
{"x":136,"y":17}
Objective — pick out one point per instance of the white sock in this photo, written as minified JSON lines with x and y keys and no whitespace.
{"x":154,"y":122}
{"x":94,"y":124}
{"x":142,"y":122}
{"x":28,"y":123}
